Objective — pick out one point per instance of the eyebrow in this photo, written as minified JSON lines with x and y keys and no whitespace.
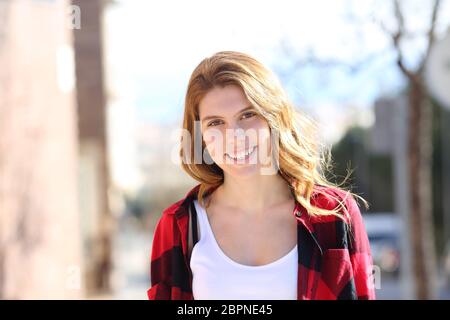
{"x":215,"y":117}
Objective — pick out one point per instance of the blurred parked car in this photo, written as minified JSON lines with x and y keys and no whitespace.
{"x":383,"y":231}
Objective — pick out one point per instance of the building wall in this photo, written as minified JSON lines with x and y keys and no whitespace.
{"x":94,"y":169}
{"x":39,"y":218}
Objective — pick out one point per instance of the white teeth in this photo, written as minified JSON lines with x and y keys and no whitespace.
{"x":241,"y":155}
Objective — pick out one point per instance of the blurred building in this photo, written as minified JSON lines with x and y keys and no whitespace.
{"x":94,"y":170}
{"x":55,"y":227}
{"x":158,"y":157}
{"x":40,"y":253}
{"x":383,"y":132}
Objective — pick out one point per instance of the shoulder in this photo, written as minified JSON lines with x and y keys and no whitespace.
{"x":168,"y":230}
{"x":167,"y":217}
{"x":353,"y":227}
{"x":330,"y":197}
{"x":176,"y":209}
{"x":181,"y":205}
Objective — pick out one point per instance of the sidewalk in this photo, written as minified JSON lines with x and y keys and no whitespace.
{"x":131,"y":276}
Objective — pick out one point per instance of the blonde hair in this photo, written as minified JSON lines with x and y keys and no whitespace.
{"x":302,"y":160}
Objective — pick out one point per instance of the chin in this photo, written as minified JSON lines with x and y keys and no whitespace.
{"x":247,"y":171}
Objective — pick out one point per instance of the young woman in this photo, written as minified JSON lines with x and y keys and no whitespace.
{"x":263,"y":222}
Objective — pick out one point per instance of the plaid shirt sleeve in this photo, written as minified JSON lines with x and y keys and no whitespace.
{"x":170,"y":278}
{"x":161,"y":247}
{"x":360,"y":255}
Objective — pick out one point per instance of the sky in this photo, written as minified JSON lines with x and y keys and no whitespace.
{"x":151,"y":48}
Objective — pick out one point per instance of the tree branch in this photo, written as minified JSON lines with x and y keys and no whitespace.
{"x":431,"y":35}
{"x":397,"y":37}
{"x":310,"y":58}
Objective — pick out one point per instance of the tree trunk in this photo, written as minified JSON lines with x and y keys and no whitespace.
{"x":420,"y":150}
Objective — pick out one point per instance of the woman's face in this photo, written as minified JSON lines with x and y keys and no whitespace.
{"x":236,"y":136}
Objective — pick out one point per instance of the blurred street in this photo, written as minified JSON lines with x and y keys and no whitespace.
{"x":131,"y":272}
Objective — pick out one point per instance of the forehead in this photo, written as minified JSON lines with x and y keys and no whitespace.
{"x":223,"y":101}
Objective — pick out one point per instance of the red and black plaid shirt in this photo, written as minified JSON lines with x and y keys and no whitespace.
{"x":334,"y":258}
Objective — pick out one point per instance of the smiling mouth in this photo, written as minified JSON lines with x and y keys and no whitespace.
{"x":242,"y":155}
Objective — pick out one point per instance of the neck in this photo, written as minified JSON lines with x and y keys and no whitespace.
{"x":254,"y":194}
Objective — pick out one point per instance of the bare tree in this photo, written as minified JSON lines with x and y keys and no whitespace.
{"x":420,"y":158}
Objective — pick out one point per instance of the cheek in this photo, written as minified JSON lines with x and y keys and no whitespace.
{"x":261,"y":135}
{"x":214,"y":142}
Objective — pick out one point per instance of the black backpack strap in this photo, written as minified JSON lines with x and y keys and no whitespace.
{"x":194,"y":223}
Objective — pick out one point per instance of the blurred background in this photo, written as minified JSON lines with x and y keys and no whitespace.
{"x":92,"y":92}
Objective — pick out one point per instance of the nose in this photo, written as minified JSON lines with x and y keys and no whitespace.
{"x":236,"y":139}
{"x":233,"y":130}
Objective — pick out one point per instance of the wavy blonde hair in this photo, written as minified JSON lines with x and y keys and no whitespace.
{"x":302,"y":160}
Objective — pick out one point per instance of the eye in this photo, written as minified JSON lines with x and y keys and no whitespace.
{"x":248,"y":115}
{"x":213,"y":123}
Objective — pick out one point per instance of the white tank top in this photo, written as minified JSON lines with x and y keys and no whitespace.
{"x":218,"y":277}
